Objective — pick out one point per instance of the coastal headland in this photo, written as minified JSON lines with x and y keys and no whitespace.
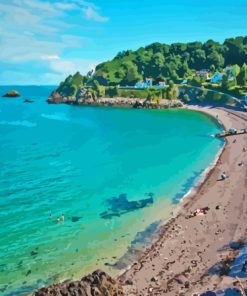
{"x":196,"y":247}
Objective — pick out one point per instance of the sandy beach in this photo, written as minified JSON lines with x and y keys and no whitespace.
{"x":188,"y":257}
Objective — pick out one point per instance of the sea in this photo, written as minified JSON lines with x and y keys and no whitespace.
{"x":80,"y":187}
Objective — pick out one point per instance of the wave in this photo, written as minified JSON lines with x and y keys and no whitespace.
{"x":56,"y":116}
{"x":19,"y":123}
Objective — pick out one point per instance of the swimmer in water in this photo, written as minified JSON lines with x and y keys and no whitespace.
{"x":58,"y":219}
{"x":62,"y":217}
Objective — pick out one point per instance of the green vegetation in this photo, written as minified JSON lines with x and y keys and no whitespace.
{"x":234,"y":82}
{"x":164,"y":62}
{"x":176,"y":61}
{"x":149,"y":93}
{"x":188,"y":93}
{"x":242,"y":76}
{"x":72,"y":84}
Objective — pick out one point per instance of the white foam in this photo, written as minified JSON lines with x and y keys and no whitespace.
{"x":19,"y":123}
{"x":56,"y":116}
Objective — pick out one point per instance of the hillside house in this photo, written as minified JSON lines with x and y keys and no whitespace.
{"x":203,"y":74}
{"x":217,"y":77}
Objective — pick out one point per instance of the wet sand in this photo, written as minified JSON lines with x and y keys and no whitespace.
{"x":184,"y":259}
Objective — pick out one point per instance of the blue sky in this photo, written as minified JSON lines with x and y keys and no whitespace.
{"x":41,"y":42}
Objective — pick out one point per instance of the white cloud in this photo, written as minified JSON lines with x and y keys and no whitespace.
{"x":65,"y":6}
{"x":50,"y":57}
{"x":92,"y":14}
{"x":70,"y":66}
{"x":42,"y":32}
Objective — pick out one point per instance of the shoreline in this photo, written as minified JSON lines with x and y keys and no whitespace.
{"x":202,"y":178}
{"x":144,"y":278}
{"x":115,"y":102}
{"x":186,"y":203}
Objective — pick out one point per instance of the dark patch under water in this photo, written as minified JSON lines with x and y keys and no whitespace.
{"x":142,"y":240}
{"x":121,"y":205}
{"x":187,"y":185}
{"x":75,"y":219}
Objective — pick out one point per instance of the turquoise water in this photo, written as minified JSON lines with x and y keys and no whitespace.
{"x":59,"y":159}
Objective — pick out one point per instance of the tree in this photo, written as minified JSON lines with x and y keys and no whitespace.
{"x":228,"y":81}
{"x":242,"y":77}
{"x":186,"y":98}
{"x":157,"y":63}
{"x":215,"y":58}
{"x":212,"y":68}
{"x":165,"y":62}
{"x":171,"y":91}
{"x":132,"y":74}
{"x":235,"y":70}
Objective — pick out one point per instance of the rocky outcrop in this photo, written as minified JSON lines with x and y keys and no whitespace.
{"x":87,"y":98}
{"x":96,"y":284}
{"x":12,"y":94}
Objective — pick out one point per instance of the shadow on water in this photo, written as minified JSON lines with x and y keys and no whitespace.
{"x":121,"y":205}
{"x":141,"y":241}
{"x":190,"y":182}
{"x":227,"y":292}
{"x":235,"y":262}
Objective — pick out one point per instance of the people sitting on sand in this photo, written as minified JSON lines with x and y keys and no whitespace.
{"x":241,"y":163}
{"x":234,"y":141}
{"x":199,"y":212}
{"x":244,"y":149}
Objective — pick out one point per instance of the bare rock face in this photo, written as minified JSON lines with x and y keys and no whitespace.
{"x":96,"y":284}
{"x":55,"y":98}
{"x":12,"y":94}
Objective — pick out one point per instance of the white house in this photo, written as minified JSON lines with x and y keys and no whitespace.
{"x":202,"y":73}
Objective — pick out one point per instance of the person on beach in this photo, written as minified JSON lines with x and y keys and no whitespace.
{"x":241,"y":163}
{"x":234,"y":141}
{"x":223,"y":176}
{"x":244,"y":149}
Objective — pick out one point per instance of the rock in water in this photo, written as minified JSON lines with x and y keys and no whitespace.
{"x":98,"y":283}
{"x":12,"y":94}
{"x":28,"y":101}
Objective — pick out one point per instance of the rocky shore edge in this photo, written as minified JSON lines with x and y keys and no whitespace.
{"x":96,"y":284}
{"x":56,"y":98}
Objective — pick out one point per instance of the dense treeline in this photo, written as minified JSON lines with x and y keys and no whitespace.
{"x":175,"y":61}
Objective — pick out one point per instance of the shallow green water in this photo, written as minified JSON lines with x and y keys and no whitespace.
{"x":69,"y":160}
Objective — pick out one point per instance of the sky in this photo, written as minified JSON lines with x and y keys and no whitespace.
{"x":43,"y":41}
